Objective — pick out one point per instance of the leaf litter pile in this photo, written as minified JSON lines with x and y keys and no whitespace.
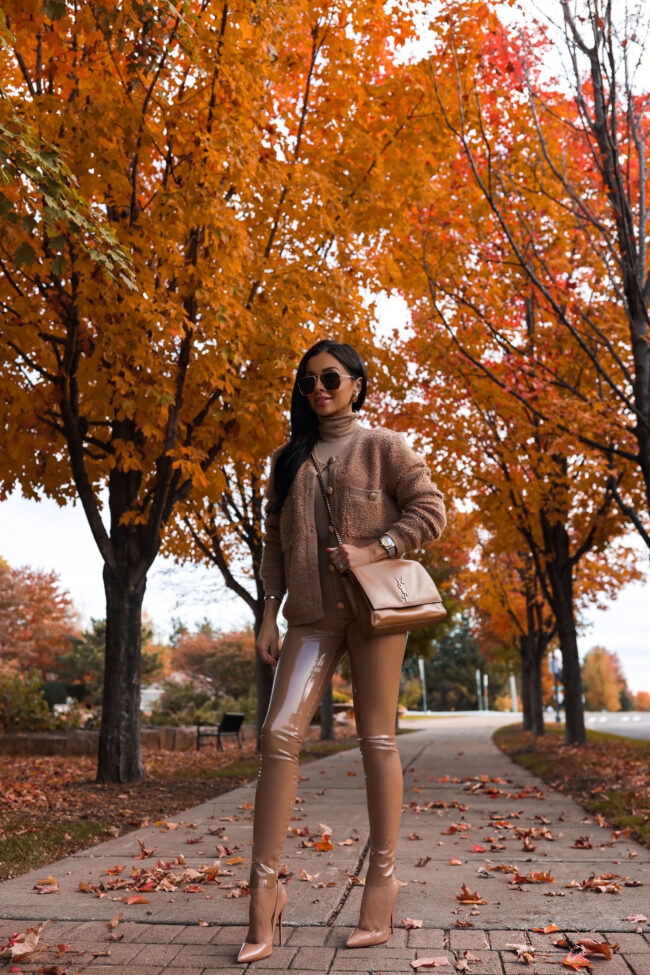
{"x":39,"y":792}
{"x":610,"y":777}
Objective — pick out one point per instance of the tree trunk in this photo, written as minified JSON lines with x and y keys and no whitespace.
{"x":525,"y":683}
{"x":327,"y":715}
{"x":536,"y":706}
{"x":119,"y":756}
{"x":560,"y":577}
{"x":531,"y":684}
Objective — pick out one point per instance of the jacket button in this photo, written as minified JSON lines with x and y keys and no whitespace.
{"x":373,"y":495}
{"x":330,"y":528}
{"x":340,"y":605}
{"x":330,"y":490}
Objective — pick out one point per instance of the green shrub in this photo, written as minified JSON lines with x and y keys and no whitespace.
{"x":22,"y":704}
{"x":245,"y":704}
{"x":410,"y":695}
{"x":183,"y":704}
{"x":54,"y":692}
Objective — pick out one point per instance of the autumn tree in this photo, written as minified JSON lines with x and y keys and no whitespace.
{"x":642,"y":701}
{"x":37,"y":619}
{"x":221,"y":144}
{"x":29,"y":163}
{"x":223,"y":661}
{"x":81,"y":666}
{"x":511,"y":396}
{"x":603,"y":680}
{"x":545,"y":158}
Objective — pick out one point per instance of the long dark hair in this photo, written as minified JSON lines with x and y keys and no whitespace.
{"x":304,"y":422}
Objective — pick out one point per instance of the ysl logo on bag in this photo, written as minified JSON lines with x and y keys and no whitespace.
{"x":402,"y":589}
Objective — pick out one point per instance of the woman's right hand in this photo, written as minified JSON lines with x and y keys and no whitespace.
{"x":267,"y":644}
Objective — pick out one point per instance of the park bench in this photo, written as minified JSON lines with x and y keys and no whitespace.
{"x":230,"y":724}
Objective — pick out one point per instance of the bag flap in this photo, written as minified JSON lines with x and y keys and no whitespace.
{"x":395,"y":583}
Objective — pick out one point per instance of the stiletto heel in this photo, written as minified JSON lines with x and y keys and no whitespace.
{"x":267,"y":906}
{"x":376,"y":919}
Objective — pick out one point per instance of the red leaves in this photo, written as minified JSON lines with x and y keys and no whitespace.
{"x":144,"y":853}
{"x":591,"y":947}
{"x":577,"y":961}
{"x":534,"y":877}
{"x":24,"y":945}
{"x":324,"y":845}
{"x":467,"y":897}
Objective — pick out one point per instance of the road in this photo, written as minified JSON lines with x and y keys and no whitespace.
{"x":632,"y":724}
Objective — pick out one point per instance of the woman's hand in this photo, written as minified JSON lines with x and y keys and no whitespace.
{"x":267,"y":644}
{"x":348,"y":556}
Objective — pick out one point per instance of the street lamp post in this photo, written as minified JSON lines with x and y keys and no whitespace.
{"x":424,"y":684}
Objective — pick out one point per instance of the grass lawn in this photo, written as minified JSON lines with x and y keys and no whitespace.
{"x":51,"y":807}
{"x":609,"y":777}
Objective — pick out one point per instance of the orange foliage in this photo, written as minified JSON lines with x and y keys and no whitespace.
{"x":236,"y":151}
{"x":602,"y":680}
{"x":37,"y":619}
{"x":642,"y":701}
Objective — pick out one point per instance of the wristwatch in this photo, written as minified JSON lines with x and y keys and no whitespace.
{"x":388,"y":546}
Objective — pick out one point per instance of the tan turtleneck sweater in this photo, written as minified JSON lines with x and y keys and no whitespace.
{"x":378,"y":484}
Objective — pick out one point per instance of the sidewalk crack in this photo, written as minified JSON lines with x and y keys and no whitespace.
{"x":340,"y":904}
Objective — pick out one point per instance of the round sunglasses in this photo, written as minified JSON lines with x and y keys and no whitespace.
{"x":329,"y":381}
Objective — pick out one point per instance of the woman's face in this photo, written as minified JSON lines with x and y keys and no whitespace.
{"x":331,"y":402}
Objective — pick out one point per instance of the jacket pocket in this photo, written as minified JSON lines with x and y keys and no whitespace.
{"x":365,"y":512}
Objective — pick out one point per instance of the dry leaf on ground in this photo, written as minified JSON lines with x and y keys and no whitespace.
{"x":591,"y":947}
{"x":438,"y":962}
{"x":577,"y":961}
{"x":23,"y":945}
{"x":410,"y":922}
{"x":525,"y":953}
{"x":467,"y":897}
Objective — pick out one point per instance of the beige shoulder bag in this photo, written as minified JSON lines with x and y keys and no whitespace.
{"x":391,"y":596}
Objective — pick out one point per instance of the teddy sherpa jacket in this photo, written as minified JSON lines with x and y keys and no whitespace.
{"x":378,"y":484}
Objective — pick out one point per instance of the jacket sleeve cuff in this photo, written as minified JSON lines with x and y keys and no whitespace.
{"x":400,"y":542}
{"x":278,"y":593}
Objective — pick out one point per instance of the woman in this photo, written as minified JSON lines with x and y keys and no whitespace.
{"x":383,"y":504}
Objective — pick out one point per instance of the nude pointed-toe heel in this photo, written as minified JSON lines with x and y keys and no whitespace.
{"x":376,"y":917}
{"x":267,"y":905}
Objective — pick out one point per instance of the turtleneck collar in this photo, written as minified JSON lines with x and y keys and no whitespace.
{"x":337,"y":427}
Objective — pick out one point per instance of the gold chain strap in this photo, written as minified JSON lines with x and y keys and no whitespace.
{"x":326,"y":500}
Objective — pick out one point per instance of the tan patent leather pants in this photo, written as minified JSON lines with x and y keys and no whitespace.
{"x":307,"y":663}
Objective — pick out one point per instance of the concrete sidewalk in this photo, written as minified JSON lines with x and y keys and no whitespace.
{"x":468,"y":810}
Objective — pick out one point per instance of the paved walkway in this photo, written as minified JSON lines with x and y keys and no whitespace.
{"x":468,"y":812}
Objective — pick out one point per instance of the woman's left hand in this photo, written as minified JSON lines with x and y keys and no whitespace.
{"x":347,"y":556}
